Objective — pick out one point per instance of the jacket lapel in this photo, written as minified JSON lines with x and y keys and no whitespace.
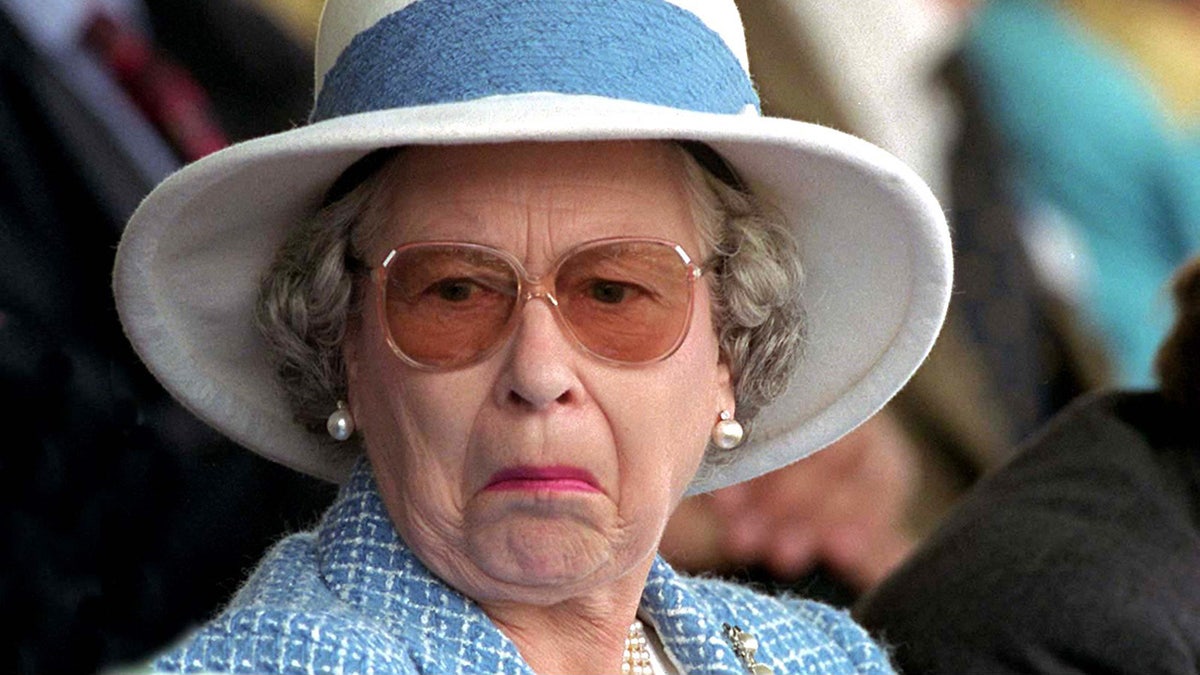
{"x":690,"y":627}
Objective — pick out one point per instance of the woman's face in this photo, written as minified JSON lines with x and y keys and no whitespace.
{"x":596,"y":455}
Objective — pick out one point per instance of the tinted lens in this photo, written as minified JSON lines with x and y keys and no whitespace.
{"x":626,"y":301}
{"x":446,"y":305}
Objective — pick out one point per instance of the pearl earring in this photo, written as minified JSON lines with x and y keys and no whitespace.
{"x":341,"y":423}
{"x":727,"y":433}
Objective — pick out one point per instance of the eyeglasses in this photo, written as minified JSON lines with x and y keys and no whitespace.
{"x":448,"y":305}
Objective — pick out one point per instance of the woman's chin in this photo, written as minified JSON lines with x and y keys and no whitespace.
{"x":555,"y":550}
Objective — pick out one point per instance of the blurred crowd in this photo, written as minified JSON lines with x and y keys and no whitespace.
{"x":1062,"y":137}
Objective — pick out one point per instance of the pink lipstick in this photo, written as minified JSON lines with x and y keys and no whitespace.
{"x":539,"y":478}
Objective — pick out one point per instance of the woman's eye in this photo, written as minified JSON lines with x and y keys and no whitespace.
{"x":454,"y":290}
{"x":609,"y":292}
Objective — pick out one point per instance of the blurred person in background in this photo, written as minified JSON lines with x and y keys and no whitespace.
{"x":116,"y":501}
{"x":1098,"y":102}
{"x":1083,"y":553}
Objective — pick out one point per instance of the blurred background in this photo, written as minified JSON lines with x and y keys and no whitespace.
{"x":1062,"y":137}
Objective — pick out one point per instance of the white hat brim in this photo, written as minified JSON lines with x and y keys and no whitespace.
{"x":874,"y":242}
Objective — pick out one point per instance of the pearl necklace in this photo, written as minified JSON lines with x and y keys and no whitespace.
{"x":637,"y":652}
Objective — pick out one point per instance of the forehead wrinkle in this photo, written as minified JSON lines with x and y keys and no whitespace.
{"x":558,"y":210}
{"x":623,"y":211}
{"x":451,"y":218}
{"x":566,"y":213}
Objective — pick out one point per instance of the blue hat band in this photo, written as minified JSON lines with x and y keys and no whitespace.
{"x":444,"y":51}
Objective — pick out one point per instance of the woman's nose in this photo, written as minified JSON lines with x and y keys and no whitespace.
{"x":541,"y":360}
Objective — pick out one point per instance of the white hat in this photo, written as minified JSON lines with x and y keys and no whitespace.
{"x":875,"y":246}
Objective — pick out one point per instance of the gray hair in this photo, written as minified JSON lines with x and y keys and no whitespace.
{"x":314,"y":287}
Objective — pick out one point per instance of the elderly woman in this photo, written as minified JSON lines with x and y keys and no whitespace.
{"x":522,"y":284}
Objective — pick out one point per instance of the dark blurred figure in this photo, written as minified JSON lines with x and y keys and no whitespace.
{"x":1083,"y":554}
{"x":118,"y":506}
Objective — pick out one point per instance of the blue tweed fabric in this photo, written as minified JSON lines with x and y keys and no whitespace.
{"x":350,"y":597}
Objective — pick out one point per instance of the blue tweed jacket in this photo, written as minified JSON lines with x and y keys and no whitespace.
{"x":350,"y":597}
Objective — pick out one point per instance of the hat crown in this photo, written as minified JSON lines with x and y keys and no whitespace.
{"x":380,"y":55}
{"x":343,"y":20}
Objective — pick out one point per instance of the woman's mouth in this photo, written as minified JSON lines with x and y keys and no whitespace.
{"x":543,"y":478}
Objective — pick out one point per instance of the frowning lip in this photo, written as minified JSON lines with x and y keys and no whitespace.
{"x":542,"y":478}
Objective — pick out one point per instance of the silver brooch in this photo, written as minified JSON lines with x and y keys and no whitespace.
{"x":745,"y":646}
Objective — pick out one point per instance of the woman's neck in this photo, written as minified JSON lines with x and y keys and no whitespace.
{"x":579,"y":635}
